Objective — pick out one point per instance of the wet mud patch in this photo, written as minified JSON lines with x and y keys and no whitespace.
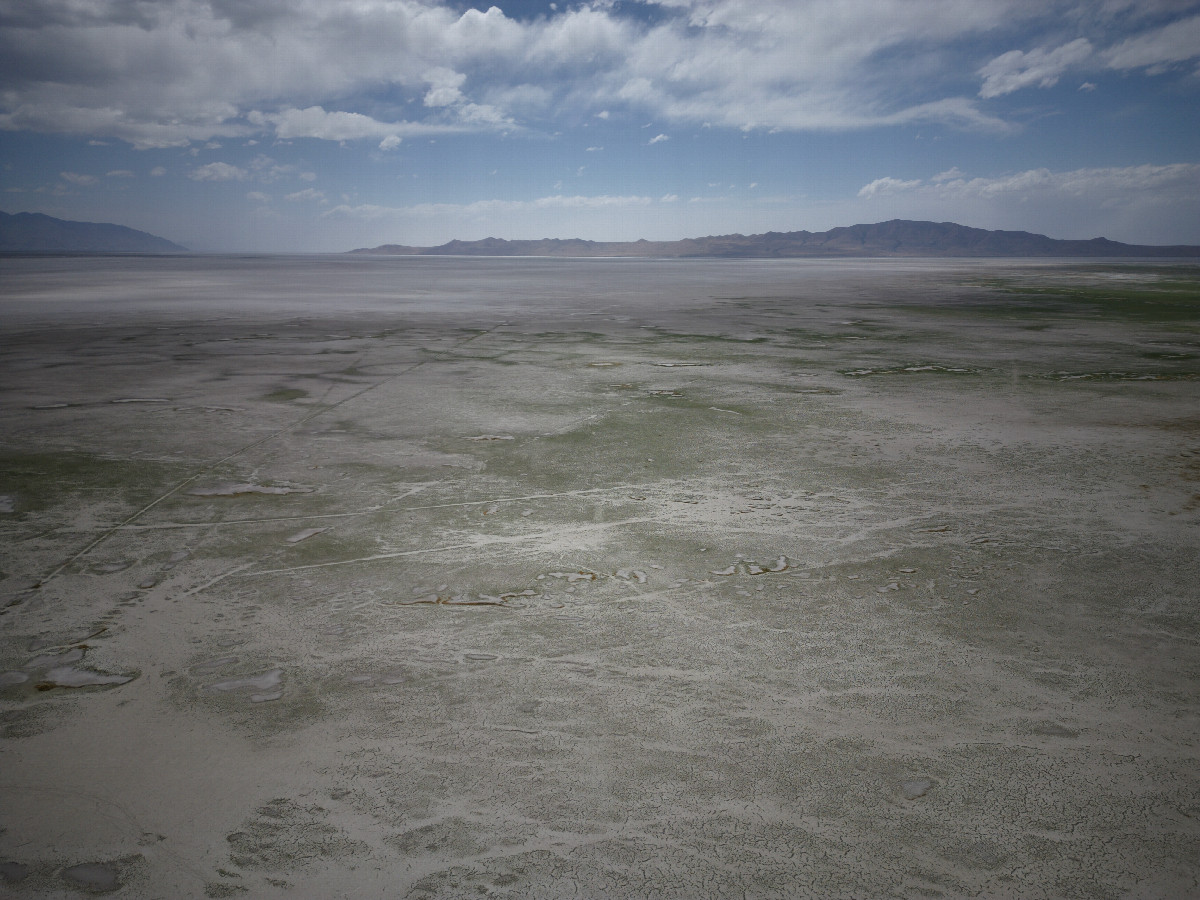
{"x":31,"y":876}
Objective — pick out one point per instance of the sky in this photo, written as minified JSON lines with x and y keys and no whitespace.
{"x":326,"y":125}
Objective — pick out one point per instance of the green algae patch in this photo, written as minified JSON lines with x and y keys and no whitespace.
{"x":1170,"y":296}
{"x":285,"y":395}
{"x":38,"y":481}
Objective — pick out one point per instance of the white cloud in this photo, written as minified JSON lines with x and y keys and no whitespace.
{"x":658,"y":139}
{"x":1016,"y":69}
{"x":1137,"y":204}
{"x":258,"y":197}
{"x":556,"y":201}
{"x":77,"y":179}
{"x":391,"y":142}
{"x":305,"y":195}
{"x":316,"y":122}
{"x":267,"y":170}
{"x":444,"y":87}
{"x":218,"y":171}
{"x":181,"y":71}
{"x":177,"y":72}
{"x":597,"y":217}
{"x":1155,"y":49}
{"x":1109,"y":184}
{"x":881,"y":186}
{"x":158,"y":172}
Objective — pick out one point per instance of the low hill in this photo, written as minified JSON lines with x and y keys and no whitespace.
{"x":38,"y":233}
{"x":897,"y":238}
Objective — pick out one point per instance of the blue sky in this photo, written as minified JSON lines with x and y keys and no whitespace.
{"x":324,"y":125}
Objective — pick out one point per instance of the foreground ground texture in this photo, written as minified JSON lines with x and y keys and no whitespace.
{"x":536,"y":579}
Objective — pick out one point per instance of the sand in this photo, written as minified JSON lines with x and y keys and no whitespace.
{"x":534,"y":579}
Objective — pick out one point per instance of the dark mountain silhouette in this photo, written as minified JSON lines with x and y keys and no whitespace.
{"x":899,"y":237}
{"x":38,"y":233}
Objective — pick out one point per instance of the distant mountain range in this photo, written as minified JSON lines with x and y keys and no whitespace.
{"x":899,"y":237}
{"x":37,"y":233}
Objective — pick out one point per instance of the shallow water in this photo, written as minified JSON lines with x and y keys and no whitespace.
{"x":473,"y":577}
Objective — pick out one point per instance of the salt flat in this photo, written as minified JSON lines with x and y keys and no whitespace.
{"x":372,"y":577}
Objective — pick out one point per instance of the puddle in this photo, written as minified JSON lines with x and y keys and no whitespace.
{"x":70,"y":677}
{"x":267,"y":686}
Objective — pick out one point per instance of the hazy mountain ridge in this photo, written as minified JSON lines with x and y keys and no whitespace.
{"x":39,"y":233}
{"x":898,"y":237}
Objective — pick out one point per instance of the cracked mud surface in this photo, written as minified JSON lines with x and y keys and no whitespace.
{"x":463,"y":578}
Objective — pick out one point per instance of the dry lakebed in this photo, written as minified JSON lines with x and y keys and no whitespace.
{"x":446,"y":578}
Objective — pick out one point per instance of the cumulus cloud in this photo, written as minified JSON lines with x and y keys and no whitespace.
{"x":179,"y":72}
{"x":77,"y":179}
{"x":182,"y":71}
{"x":1016,"y":69}
{"x":316,"y":122}
{"x":444,"y":87}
